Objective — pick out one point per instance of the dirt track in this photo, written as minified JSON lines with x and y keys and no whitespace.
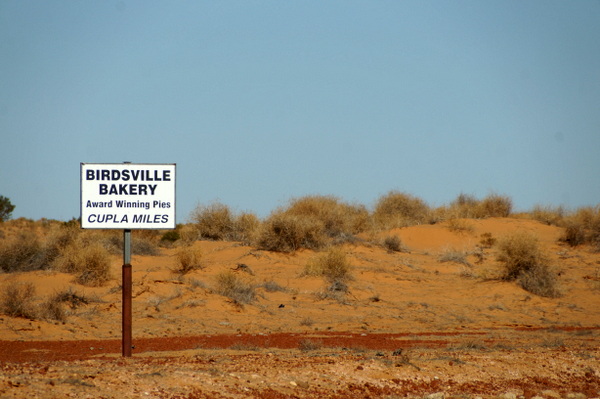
{"x":295,"y":365}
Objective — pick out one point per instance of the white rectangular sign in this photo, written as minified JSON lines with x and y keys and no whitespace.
{"x":127,"y":196}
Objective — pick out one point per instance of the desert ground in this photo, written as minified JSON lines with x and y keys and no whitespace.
{"x":415,"y":322}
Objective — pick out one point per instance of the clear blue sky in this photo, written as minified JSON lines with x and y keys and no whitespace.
{"x":258,"y":102}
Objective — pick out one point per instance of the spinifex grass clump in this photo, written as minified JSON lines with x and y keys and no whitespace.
{"x":334,"y":267}
{"x":232,"y":286}
{"x":217,"y":222}
{"x":312,"y":222}
{"x":88,"y":260}
{"x":397,"y":209}
{"x":188,"y":259}
{"x":469,"y":207}
{"x":583,"y":227}
{"x":23,"y":252}
{"x":523,"y":262}
{"x":17,"y":300}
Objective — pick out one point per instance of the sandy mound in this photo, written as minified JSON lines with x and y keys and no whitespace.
{"x":395,"y":300}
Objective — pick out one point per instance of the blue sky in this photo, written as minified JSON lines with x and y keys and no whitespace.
{"x":258,"y":102}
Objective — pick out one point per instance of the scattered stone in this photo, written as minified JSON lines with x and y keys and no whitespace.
{"x":436,"y":395}
{"x":550,"y":394}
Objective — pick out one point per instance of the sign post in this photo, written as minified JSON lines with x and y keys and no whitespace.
{"x":127,"y":196}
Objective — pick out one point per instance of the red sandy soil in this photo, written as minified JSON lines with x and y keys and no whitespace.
{"x":411,"y":326}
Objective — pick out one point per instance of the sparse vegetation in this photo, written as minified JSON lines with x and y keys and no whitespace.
{"x":188,"y":259}
{"x":217,"y":222}
{"x":460,"y":226}
{"x":469,"y":207}
{"x":22,"y":252}
{"x":487,"y":240}
{"x":393,"y":243}
{"x":307,"y":345}
{"x":283,"y":232}
{"x":396,"y":209}
{"x":89,"y":263}
{"x":312,"y":222}
{"x":214,"y":221}
{"x":523,"y":262}
{"x":333,"y":265}
{"x":548,"y":215}
{"x":583,"y":227}
{"x":230,"y":285}
{"x":495,"y":205}
{"x":17,"y":300}
{"x":273,"y":286}
{"x":454,"y":255}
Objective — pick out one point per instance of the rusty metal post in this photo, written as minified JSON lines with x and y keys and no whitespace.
{"x":127,"y":288}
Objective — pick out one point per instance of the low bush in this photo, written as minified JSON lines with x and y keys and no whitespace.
{"x":519,"y":252}
{"x":396,"y":209}
{"x":217,"y":222}
{"x":235,"y":288}
{"x":312,"y":222}
{"x":553,"y":216}
{"x":17,"y":300}
{"x":524,"y":262}
{"x":283,"y":232}
{"x":22,"y":252}
{"x":456,"y":256}
{"x":393,"y":243}
{"x":338,"y":218}
{"x":188,"y":259}
{"x":245,"y":228}
{"x":53,"y":309}
{"x":469,"y":207}
{"x":495,"y":205}
{"x":333,"y":265}
{"x":540,"y":280}
{"x":583,"y":227}
{"x":169,"y":238}
{"x":214,"y":221}
{"x":90,"y":263}
{"x":464,"y":206}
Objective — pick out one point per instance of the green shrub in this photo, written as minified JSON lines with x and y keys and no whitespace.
{"x":397,"y":209}
{"x":6,"y":209}
{"x":170,"y":237}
